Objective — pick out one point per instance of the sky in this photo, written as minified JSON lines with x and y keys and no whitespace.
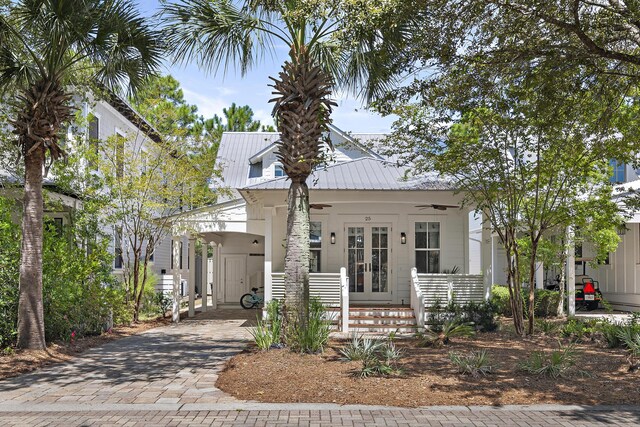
{"x":212,"y":92}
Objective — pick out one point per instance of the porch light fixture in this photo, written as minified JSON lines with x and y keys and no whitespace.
{"x":403,"y":238}
{"x":622,"y":230}
{"x":333,"y":238}
{"x":255,"y":242}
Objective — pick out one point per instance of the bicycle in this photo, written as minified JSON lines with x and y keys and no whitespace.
{"x":252,"y":300}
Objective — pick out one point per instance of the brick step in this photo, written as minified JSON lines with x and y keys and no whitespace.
{"x":380,"y":316}
{"x":382,"y":325}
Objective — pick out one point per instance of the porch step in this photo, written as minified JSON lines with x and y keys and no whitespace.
{"x":382,"y":319}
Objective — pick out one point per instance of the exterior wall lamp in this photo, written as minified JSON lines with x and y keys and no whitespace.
{"x":403,"y":238}
{"x":333,"y":238}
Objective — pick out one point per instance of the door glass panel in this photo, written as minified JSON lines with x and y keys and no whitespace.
{"x":434,"y":235}
{"x":379,"y":259}
{"x":355,"y":249}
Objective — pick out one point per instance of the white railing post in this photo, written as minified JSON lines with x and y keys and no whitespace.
{"x":417,"y":298}
{"x":449,"y":288}
{"x":344,"y":299}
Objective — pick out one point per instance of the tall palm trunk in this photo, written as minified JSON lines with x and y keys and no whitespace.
{"x":296,"y":261}
{"x":42,"y":108}
{"x":303,"y":110}
{"x":30,"y":306}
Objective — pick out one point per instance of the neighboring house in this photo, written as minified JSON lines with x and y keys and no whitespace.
{"x":619,"y":276}
{"x":110,"y":117}
{"x":367,"y":219}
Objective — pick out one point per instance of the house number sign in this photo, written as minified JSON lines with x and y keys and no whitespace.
{"x":367,"y":218}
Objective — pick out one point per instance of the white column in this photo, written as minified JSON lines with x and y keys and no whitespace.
{"x":571,"y":272}
{"x":192,"y":277}
{"x":539,"y":275}
{"x":205,"y":282}
{"x":268,"y":252}
{"x":486,"y":248}
{"x":465,"y":241}
{"x":217,"y":262}
{"x":176,"y":279}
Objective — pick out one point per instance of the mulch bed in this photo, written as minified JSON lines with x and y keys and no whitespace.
{"x":429,"y":378}
{"x":22,"y":361}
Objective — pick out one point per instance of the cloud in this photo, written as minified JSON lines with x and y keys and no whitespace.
{"x":207,"y":105}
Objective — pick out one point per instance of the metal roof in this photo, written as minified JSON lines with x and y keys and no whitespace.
{"x":234,"y":152}
{"x":361,"y":174}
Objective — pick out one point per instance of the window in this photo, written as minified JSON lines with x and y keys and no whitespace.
{"x":427,"y":247}
{"x":618,"y":175}
{"x":278,"y":170}
{"x":180,"y":256}
{"x":118,"y":248}
{"x":255,"y":170}
{"x":315,"y":245}
{"x":94,"y":136}
{"x":119,"y":155}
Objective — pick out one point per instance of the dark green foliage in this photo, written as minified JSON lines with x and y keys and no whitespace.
{"x":80,"y":294}
{"x":163,"y":302}
{"x":557,"y":364}
{"x":9,"y":272}
{"x":545,"y":301}
{"x":578,"y":330}
{"x":315,"y":336}
{"x":481,"y":315}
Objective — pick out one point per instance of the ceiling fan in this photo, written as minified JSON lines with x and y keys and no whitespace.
{"x":319,"y":206}
{"x":437,"y":207}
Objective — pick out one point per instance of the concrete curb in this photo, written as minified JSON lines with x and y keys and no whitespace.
{"x":251,"y":406}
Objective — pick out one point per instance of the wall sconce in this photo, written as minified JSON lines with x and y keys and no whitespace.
{"x":403,"y":238}
{"x":622,"y":230}
{"x":255,"y":242}
{"x":333,"y":238}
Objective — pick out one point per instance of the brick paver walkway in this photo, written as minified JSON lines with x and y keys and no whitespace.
{"x":166,"y":377}
{"x":172,"y":364}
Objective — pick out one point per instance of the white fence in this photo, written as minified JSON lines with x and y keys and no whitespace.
{"x":462,"y":288}
{"x":325,"y":286}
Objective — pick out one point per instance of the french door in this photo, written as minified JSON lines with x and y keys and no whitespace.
{"x":368,"y":258}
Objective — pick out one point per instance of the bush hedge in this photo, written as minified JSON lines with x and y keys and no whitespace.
{"x":545,"y":301}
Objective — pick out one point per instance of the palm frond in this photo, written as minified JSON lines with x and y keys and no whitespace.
{"x":219,"y":34}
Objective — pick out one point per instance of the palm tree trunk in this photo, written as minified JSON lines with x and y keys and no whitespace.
{"x":296,"y":262}
{"x":30,"y":306}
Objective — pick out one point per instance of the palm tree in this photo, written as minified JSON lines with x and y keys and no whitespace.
{"x":327,"y":50}
{"x":48,"y":49}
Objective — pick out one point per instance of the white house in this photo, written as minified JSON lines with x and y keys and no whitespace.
{"x":368,"y":221}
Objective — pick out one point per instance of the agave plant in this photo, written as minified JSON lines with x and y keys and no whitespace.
{"x":450,"y":329}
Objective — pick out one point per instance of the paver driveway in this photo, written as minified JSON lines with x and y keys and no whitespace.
{"x":166,"y":377}
{"x":171,"y":364}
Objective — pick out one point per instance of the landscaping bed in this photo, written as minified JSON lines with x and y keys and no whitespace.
{"x":428,"y":377}
{"x":16,"y":362}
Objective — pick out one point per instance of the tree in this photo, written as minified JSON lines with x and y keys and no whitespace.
{"x":235,"y":119}
{"x":529,"y":148}
{"x":149,"y":182}
{"x":48,"y":48}
{"x":329,"y":47}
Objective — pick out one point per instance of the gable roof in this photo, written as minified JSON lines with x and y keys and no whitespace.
{"x":234,"y":151}
{"x":360,"y":140}
{"x":361,"y":174}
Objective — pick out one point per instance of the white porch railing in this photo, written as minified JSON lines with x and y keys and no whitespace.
{"x":463,"y":288}
{"x":331,"y":288}
{"x":417,"y":298}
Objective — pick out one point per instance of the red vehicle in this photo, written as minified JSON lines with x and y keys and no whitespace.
{"x":589,"y":296}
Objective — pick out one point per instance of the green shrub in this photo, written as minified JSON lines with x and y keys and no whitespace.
{"x":78,"y":294}
{"x":611,"y":333}
{"x":577,"y":330}
{"x":378,"y":357}
{"x":557,"y":364}
{"x":481,"y":315}
{"x":547,"y":327}
{"x":268,"y":332}
{"x":315,"y":336}
{"x":545,"y":301}
{"x":360,"y":348}
{"x":474,"y":363}
{"x":501,"y":301}
{"x":451,"y":329}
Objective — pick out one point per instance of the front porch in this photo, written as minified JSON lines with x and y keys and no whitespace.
{"x":333,"y":290}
